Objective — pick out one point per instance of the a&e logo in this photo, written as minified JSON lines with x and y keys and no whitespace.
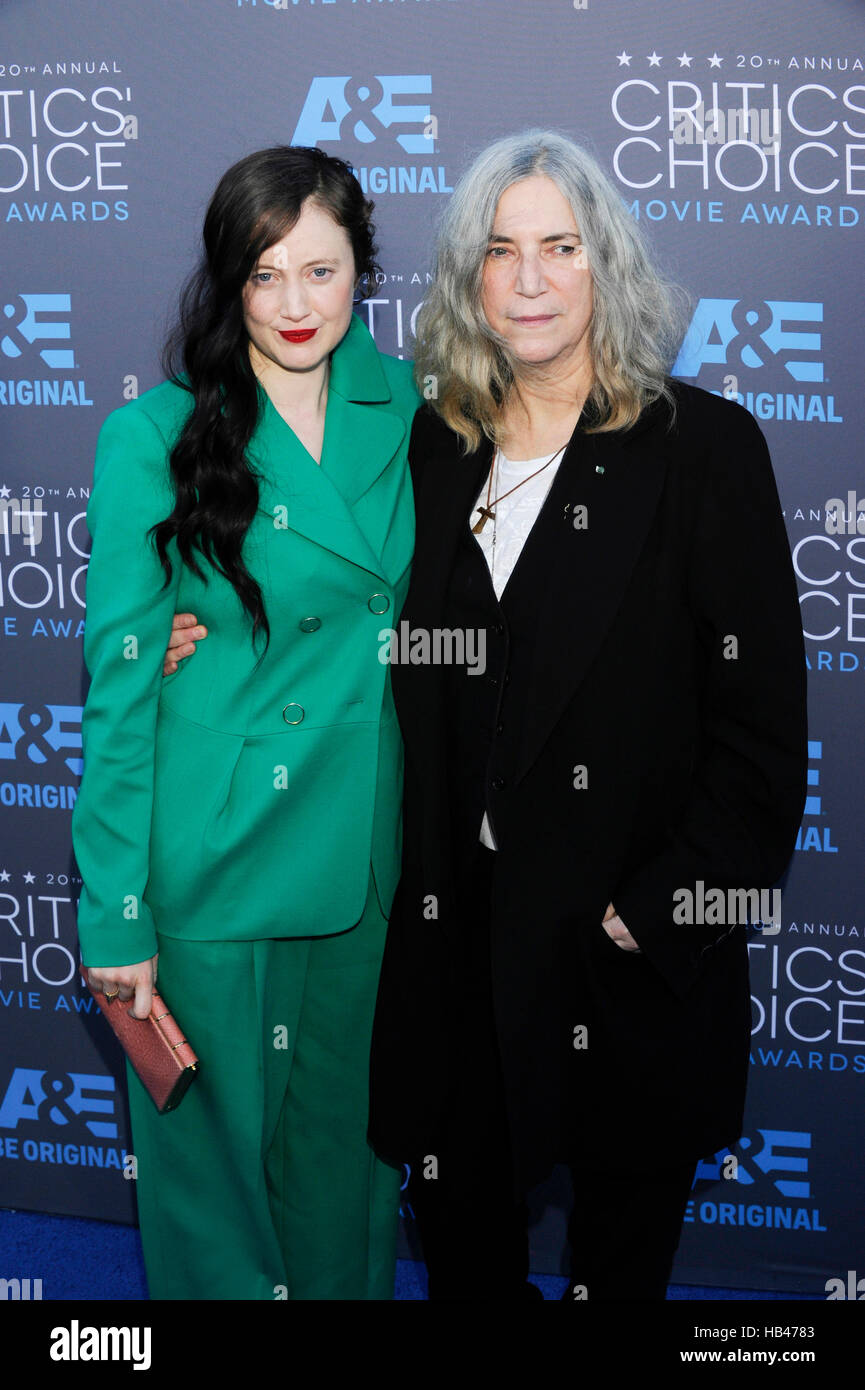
{"x":39,"y":323}
{"x":31,"y":335}
{"x":366,"y":110}
{"x":61,"y":1098}
{"x":769,"y":1161}
{"x":729,"y":333}
{"x":44,"y":735}
{"x":758,"y":344}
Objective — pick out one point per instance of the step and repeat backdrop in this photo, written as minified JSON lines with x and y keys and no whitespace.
{"x":737,"y":141}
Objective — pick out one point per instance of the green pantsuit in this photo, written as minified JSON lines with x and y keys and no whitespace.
{"x":289,"y":1201}
{"x":235,"y":815}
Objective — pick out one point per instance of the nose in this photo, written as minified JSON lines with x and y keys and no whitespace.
{"x":530,"y":279}
{"x":294,"y":302}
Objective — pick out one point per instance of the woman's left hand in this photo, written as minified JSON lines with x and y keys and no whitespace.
{"x":617,"y":931}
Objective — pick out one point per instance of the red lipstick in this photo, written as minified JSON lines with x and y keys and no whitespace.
{"x":300,"y":335}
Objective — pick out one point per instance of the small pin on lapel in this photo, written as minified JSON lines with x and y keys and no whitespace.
{"x":599,"y":468}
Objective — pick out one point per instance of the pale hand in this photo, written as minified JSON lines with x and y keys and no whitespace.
{"x":617,"y":931}
{"x":181,"y":643}
{"x":126,"y":980}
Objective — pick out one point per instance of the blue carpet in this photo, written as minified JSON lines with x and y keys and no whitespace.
{"x":80,"y":1259}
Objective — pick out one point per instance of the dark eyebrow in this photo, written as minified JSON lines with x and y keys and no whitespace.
{"x":556,"y":236}
{"x":320,"y":260}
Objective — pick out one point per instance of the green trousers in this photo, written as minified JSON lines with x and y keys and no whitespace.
{"x":261,"y":1184}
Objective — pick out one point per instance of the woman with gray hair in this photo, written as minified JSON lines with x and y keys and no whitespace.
{"x":610,"y":545}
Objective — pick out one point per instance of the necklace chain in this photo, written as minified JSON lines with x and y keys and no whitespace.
{"x":487,"y":513}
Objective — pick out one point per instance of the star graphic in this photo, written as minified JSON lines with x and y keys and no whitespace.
{"x":29,"y":878}
{"x":4,"y":875}
{"x":624,"y":59}
{"x":684,"y":60}
{"x":654,"y":59}
{"x":4,"y":491}
{"x":715,"y":61}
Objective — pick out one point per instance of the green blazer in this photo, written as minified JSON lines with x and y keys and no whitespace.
{"x":233,"y":800}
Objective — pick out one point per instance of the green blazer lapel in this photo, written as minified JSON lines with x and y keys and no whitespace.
{"x":365,"y":460}
{"x":313,"y":506}
{"x":361,"y":439}
{"x":359,"y":442}
{"x":364,"y":447}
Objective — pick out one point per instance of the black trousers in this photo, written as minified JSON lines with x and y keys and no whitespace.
{"x":626,"y":1219}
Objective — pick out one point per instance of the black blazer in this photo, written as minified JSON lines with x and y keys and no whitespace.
{"x":610,"y":650}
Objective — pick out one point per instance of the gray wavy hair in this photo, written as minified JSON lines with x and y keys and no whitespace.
{"x":637,"y":320}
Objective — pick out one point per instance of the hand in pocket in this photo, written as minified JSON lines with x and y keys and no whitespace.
{"x":617,"y":931}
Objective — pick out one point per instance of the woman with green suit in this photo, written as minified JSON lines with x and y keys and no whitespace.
{"x":238,"y":824}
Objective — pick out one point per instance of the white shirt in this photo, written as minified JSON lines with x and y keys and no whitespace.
{"x":515,"y":517}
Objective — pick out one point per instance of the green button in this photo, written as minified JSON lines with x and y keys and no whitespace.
{"x":378,"y":603}
{"x":309,"y":624}
{"x":293,"y":714}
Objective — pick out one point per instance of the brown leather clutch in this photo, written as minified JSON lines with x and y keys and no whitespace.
{"x":162,"y":1058}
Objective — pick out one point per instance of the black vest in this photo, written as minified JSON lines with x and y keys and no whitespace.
{"x":485,"y":713}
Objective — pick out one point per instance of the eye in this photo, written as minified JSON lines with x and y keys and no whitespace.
{"x":261,"y":277}
{"x":497,"y":253}
{"x":321,"y":271}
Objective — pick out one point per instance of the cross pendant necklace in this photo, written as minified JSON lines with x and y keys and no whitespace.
{"x":487,"y":513}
